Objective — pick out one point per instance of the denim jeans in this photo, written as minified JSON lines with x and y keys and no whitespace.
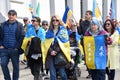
{"x":61,"y":71}
{"x":98,"y":74}
{"x":6,"y":55}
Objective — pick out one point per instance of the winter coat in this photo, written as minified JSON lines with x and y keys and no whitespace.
{"x":113,"y":52}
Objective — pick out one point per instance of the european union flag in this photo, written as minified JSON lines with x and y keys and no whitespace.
{"x":95,"y":52}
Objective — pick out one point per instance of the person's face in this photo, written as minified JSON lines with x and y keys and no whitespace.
{"x":87,"y":16}
{"x":12,"y":17}
{"x":94,"y":27}
{"x":55,"y":22}
{"x":108,"y":25}
{"x":34,"y":22}
{"x":45,"y":26}
{"x":25,"y":21}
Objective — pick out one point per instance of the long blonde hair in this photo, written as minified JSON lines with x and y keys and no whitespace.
{"x":61,"y":23}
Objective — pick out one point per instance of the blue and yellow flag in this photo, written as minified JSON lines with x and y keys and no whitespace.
{"x":67,"y":15}
{"x":31,"y":7}
{"x":95,"y":52}
{"x":30,"y":34}
{"x":62,"y":39}
{"x":96,"y":10}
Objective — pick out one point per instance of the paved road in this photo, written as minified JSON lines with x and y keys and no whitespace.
{"x":26,"y":75}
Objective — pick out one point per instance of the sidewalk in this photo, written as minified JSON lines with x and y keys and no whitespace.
{"x":25,"y":74}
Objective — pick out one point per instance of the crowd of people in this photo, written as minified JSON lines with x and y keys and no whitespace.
{"x":43,"y":42}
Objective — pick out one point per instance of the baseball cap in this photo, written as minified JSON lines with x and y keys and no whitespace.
{"x":13,"y":12}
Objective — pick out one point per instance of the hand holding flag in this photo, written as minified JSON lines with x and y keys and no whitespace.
{"x":66,"y":16}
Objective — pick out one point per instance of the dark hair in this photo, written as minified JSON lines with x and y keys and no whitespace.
{"x":89,"y":11}
{"x":113,"y":26}
{"x":12,"y":12}
{"x":38,"y":20}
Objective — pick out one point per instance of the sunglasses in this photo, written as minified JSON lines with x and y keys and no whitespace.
{"x":34,"y":21}
{"x":55,"y":20}
{"x":44,"y":24}
{"x":25,"y":20}
{"x":107,"y":24}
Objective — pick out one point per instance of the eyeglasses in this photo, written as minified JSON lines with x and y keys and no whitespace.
{"x":55,"y":20}
{"x":107,"y":24}
{"x":45,"y":24}
{"x":34,"y":21}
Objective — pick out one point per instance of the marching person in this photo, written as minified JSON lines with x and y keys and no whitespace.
{"x":56,"y":39}
{"x":83,"y":26}
{"x":45,"y":27}
{"x":12,"y":34}
{"x":96,"y":30}
{"x":113,"y":51}
{"x":34,"y":37}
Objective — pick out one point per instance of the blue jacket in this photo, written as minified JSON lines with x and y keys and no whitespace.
{"x":19,"y":35}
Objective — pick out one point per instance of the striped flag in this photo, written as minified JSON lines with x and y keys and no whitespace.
{"x":96,"y":11}
{"x":66,"y":16}
{"x":95,"y":52}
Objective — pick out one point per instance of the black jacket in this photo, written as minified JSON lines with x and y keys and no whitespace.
{"x":35,"y":47}
{"x":84,"y":25}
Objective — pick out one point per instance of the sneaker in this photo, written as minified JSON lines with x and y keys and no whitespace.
{"x":89,"y":76}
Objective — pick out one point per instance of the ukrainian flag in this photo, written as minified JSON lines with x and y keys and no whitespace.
{"x":96,"y":10}
{"x":95,"y":52}
{"x":67,"y":15}
{"x":30,"y":34}
{"x":62,"y":39}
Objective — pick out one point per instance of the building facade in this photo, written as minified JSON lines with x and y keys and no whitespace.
{"x":51,"y":7}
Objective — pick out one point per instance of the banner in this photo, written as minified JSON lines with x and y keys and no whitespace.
{"x":95,"y":52}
